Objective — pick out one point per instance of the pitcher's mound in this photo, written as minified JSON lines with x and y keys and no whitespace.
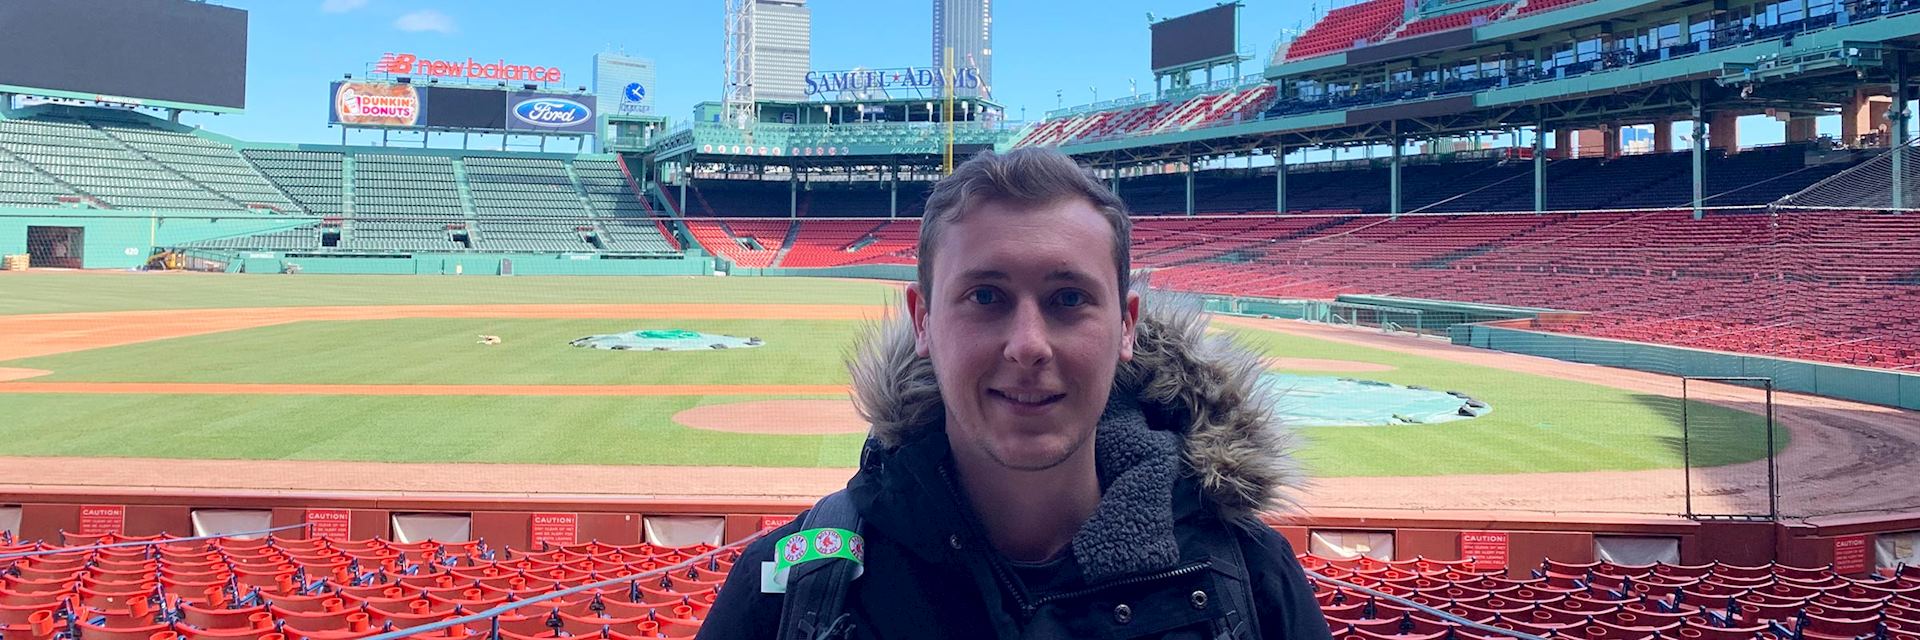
{"x":776,"y":417}
{"x":1316,"y":364}
{"x":9,"y":375}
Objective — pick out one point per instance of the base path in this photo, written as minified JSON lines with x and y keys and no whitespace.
{"x":776,"y":417}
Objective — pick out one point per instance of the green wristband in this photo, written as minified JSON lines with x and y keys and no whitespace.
{"x":815,"y":544}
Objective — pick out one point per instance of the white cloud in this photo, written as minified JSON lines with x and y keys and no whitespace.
{"x":425,"y":20}
{"x":341,"y":6}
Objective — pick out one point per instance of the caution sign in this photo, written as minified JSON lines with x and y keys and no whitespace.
{"x":555,"y":529}
{"x":335,"y":524}
{"x":774,"y":522}
{"x":1487,"y":549}
{"x":103,"y":519}
{"x":1850,"y":555}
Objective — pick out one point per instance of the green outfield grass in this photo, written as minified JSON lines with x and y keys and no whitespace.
{"x":66,"y":292}
{"x":1538,"y":424}
{"x":443,"y":351}
{"x":528,"y":429}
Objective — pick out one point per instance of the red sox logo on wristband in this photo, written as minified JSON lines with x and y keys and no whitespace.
{"x":796,"y":548}
{"x":859,"y":548}
{"x":827,"y":542}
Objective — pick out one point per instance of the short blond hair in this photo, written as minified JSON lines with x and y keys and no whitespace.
{"x":1031,"y":176}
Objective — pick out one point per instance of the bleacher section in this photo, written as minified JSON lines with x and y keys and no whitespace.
{"x":816,"y":243}
{"x":1198,"y":112}
{"x":337,"y":589}
{"x":1432,"y":185}
{"x":628,"y":221}
{"x":771,"y":199}
{"x":326,"y":589}
{"x":404,"y":203}
{"x":311,"y":178}
{"x":27,"y":186}
{"x":357,"y":201}
{"x":217,"y":167}
{"x":79,"y":156}
{"x":1376,"y":21}
{"x":528,"y":205}
{"x":1343,"y":27}
{"x":1823,"y":286}
{"x":1456,"y":20}
{"x":1607,"y":601}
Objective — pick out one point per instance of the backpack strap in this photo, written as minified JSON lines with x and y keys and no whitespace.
{"x":816,"y":598}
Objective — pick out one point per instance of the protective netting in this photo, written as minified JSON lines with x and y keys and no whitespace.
{"x":1870,"y":185}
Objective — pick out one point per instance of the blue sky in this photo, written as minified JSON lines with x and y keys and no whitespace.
{"x":1040,"y":46}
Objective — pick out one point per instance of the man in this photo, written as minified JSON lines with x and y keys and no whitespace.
{"x":1049,"y":458}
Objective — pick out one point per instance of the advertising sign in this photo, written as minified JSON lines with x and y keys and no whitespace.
{"x":402,"y":64}
{"x":550,"y":112}
{"x":376,"y":104}
{"x":633,"y":98}
{"x":904,"y":82}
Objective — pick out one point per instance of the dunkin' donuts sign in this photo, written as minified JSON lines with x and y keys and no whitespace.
{"x":376,"y":104}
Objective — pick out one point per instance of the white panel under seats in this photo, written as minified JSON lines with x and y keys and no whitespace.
{"x":685,"y":531}
{"x":10,"y":520}
{"x":226,"y":522}
{"x":1636,"y":550}
{"x":1348,"y":545}
{"x":1889,"y":549}
{"x":441,"y":527}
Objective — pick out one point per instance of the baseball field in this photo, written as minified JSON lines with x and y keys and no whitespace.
{"x":329,"y":378}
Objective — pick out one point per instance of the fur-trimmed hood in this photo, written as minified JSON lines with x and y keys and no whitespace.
{"x":1206,"y":388}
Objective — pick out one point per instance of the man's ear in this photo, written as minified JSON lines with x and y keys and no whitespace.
{"x":1129,"y":318}
{"x":917,"y":310}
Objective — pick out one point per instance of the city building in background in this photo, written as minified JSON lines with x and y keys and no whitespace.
{"x":782,"y":49}
{"x":623,"y":85}
{"x":967,"y":27}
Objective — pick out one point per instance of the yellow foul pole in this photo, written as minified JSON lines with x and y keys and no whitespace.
{"x":947,"y":164}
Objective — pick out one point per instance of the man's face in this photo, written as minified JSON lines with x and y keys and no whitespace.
{"x":1025,"y":326}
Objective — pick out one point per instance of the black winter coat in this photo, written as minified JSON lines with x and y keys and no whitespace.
{"x":1187,"y":456}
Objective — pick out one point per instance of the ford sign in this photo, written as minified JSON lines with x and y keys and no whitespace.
{"x":555,"y":113}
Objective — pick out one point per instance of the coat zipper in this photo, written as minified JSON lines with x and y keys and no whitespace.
{"x":1164,"y":575}
{"x":1019,"y":597}
{"x":1029,"y":609}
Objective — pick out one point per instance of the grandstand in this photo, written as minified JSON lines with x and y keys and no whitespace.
{"x":296,"y":586}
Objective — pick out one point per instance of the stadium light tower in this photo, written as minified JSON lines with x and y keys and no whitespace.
{"x":740,"y":108}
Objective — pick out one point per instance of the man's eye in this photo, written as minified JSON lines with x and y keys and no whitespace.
{"x":1070,"y":298}
{"x":983,"y":296}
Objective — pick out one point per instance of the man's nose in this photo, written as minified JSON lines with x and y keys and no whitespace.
{"x":1027,"y":343}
